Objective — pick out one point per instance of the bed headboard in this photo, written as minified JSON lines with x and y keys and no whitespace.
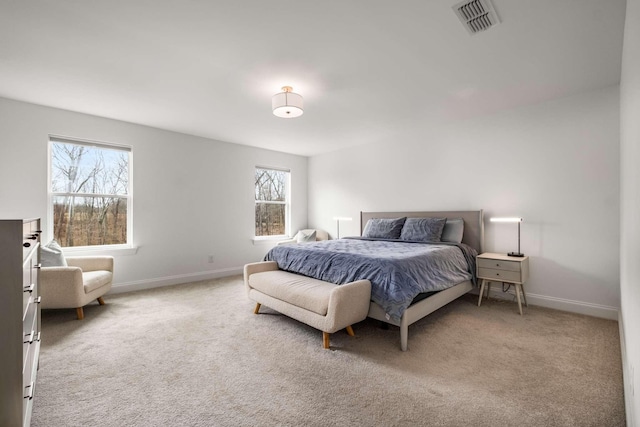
{"x":473,"y":223}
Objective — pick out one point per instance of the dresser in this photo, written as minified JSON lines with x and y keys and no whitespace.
{"x":19,"y":319}
{"x":491,"y":267}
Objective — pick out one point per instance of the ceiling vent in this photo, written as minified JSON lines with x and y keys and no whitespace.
{"x":477,"y":15}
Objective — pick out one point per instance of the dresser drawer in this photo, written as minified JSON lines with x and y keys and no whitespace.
{"x":499,"y":275}
{"x":27,"y":282}
{"x":498,"y":264}
{"x":29,"y":328}
{"x":29,"y":374}
{"x":30,"y":238}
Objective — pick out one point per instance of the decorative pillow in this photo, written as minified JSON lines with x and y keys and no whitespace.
{"x":453,"y":230}
{"x":381,"y":228}
{"x":306,"y":236}
{"x":51,"y":255}
{"x":423,"y":229}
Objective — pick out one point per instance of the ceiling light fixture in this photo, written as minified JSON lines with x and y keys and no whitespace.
{"x":287,"y":104}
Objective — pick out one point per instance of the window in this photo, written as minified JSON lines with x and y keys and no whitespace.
{"x":272,"y":202}
{"x":90,"y":193}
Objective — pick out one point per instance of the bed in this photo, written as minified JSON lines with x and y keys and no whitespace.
{"x":410,"y":279}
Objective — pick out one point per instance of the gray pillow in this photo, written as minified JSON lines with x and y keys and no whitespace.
{"x":306,"y":236}
{"x":423,"y":229}
{"x":381,"y":228}
{"x":51,"y":255}
{"x":453,"y":230}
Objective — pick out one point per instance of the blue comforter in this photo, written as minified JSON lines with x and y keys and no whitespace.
{"x":398,"y":270}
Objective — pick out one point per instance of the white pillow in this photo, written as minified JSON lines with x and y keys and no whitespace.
{"x":306,"y":236}
{"x":51,"y":255}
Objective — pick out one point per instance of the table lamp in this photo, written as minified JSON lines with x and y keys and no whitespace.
{"x":518,"y":220}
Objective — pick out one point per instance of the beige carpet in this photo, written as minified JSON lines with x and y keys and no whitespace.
{"x":196,"y":355}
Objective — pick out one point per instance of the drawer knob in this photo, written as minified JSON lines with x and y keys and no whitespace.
{"x":29,"y":337}
{"x":26,"y":244}
{"x":29,"y":393}
{"x":33,"y":237}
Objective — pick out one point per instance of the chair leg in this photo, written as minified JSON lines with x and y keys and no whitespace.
{"x":80,"y":313}
{"x":325,"y":339}
{"x":257,"y":309}
{"x":350,"y":331}
{"x":100,"y":301}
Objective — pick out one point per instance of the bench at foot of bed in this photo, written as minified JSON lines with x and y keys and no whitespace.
{"x":321,"y":305}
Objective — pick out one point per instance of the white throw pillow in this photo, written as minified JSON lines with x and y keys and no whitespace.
{"x":306,"y":236}
{"x":51,"y":255}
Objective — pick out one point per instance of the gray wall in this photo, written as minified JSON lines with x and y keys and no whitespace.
{"x":554,"y":164}
{"x":630,"y":209}
{"x":191,"y":196}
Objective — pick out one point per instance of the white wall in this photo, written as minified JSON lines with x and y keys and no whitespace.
{"x":192,"y":196}
{"x":554,"y":164}
{"x":630,"y":210}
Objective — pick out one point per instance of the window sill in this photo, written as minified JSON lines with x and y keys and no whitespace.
{"x":261,"y":240}
{"x":101,"y":250}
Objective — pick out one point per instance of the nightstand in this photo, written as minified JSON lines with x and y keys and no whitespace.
{"x":503,"y":268}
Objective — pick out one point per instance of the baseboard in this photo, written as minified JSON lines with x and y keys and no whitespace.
{"x":157,"y":282}
{"x":627,"y":374}
{"x":580,"y":307}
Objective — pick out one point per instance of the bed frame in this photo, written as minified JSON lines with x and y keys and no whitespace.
{"x":473,"y":236}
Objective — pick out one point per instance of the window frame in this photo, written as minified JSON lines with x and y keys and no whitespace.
{"x":286,"y":202}
{"x":126,"y":248}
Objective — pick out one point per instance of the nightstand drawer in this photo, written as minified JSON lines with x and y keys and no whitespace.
{"x":499,"y":275}
{"x":498,"y":264}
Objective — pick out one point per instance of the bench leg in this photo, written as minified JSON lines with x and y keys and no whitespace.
{"x":80,"y":313}
{"x":350,"y":331}
{"x":325,"y":339}
{"x":257,"y":309}
{"x":100,"y":301}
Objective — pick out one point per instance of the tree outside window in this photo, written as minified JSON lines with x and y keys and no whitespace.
{"x":272,"y":201}
{"x":90,"y":193}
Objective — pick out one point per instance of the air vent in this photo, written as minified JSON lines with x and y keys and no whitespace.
{"x":477,"y":15}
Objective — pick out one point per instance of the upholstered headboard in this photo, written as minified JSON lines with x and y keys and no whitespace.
{"x":473,"y":223}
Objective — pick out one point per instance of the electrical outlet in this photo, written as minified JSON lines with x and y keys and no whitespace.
{"x":210,"y":259}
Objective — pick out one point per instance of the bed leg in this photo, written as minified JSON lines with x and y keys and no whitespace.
{"x":481,"y":291}
{"x":404,"y":333}
{"x":257,"y":309}
{"x":350,"y":331}
{"x":325,"y":339}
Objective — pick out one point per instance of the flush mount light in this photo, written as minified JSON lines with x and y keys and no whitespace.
{"x":287,"y":104}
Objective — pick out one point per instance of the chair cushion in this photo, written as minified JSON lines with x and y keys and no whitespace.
{"x":304,"y":292}
{"x":93,"y":280}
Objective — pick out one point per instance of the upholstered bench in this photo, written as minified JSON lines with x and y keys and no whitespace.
{"x":319,"y":304}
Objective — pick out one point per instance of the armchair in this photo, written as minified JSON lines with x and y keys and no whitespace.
{"x":74,"y":286}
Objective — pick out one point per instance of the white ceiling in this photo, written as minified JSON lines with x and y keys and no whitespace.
{"x":368,"y":70}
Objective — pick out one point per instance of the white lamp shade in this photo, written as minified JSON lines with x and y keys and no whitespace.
{"x":287,"y":105}
{"x":506,"y":220}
